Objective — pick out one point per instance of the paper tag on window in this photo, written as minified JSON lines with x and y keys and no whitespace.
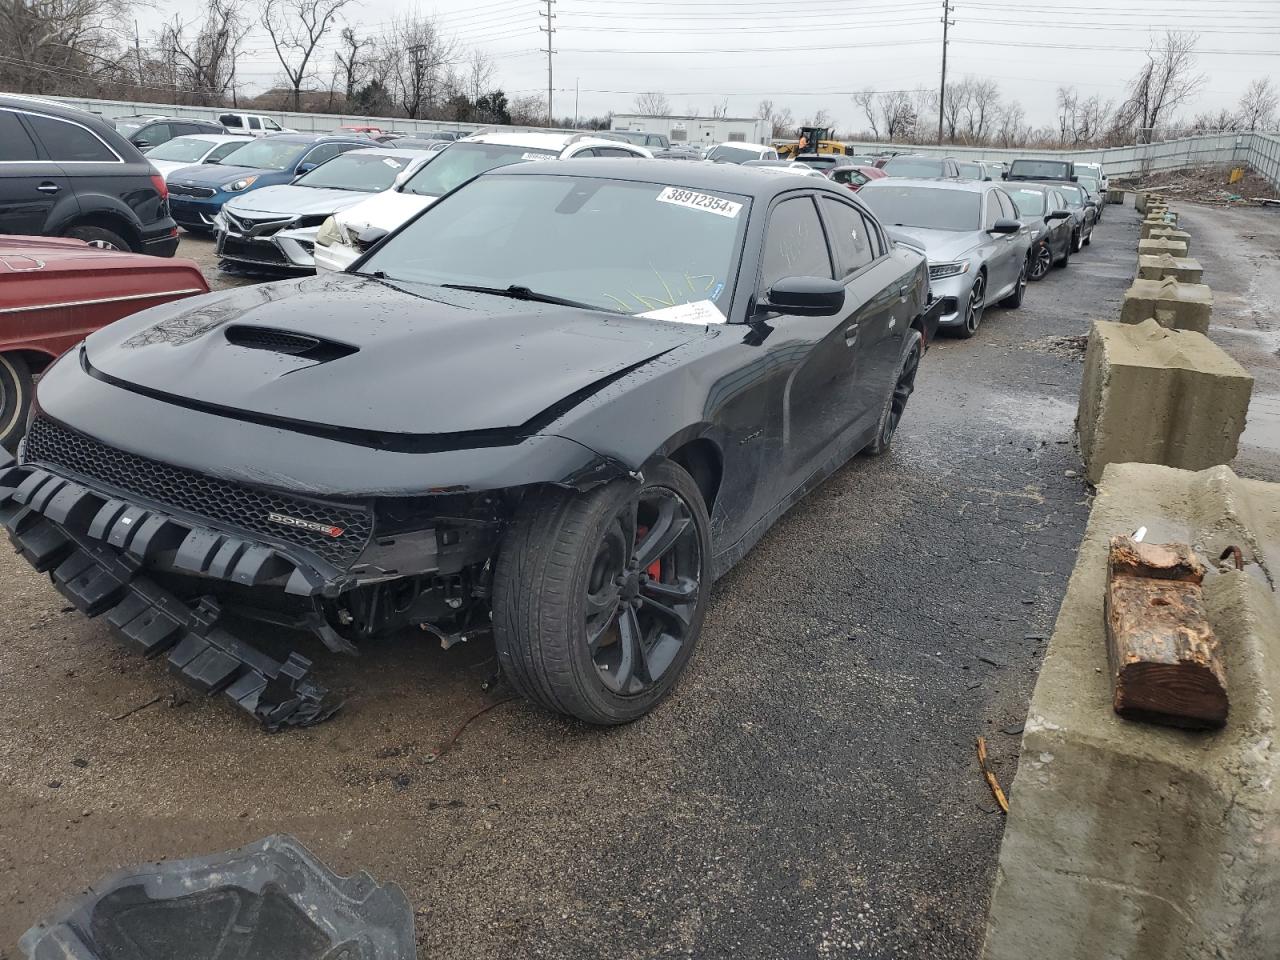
{"x":391,"y":163}
{"x":533,"y":156}
{"x":700,"y":201}
{"x":700,"y":312}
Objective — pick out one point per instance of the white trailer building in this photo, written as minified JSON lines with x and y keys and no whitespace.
{"x":701,"y":130}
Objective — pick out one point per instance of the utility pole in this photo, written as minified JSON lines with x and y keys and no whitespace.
{"x":576,"y":81}
{"x":549,"y":30}
{"x":137,"y":49}
{"x":942,"y":91}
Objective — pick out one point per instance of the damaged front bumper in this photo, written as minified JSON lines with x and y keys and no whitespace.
{"x":95,"y":549}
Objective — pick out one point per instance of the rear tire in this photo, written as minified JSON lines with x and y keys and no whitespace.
{"x":15,"y":399}
{"x":1066,"y":255}
{"x":585,"y":621}
{"x":904,"y":384}
{"x":1014,"y":300}
{"x":100,"y":237}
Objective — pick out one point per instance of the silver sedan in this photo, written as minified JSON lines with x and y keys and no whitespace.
{"x":970,"y":231}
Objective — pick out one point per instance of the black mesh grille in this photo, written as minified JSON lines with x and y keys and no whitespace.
{"x":250,"y":250}
{"x":221,"y":502}
{"x":179,"y":190}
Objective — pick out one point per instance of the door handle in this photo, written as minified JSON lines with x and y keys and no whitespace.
{"x":850,"y":334}
{"x":48,"y":187}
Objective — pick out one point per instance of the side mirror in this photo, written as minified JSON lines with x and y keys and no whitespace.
{"x":1005,"y":225}
{"x":805,"y":297}
{"x":1058,"y":215}
{"x":142,"y":143}
{"x":367,"y":237}
{"x":305,"y":168}
{"x":1005,"y":175}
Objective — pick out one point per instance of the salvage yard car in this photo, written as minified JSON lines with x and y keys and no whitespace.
{"x":197,"y":193}
{"x":342,"y":239}
{"x":182,"y":152}
{"x":67,"y":173}
{"x":276,"y":227}
{"x":53,"y":292}
{"x":565,"y":442}
{"x":977,"y":246}
{"x":1044,"y":210}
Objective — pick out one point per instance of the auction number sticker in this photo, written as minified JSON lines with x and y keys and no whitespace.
{"x":700,"y":201}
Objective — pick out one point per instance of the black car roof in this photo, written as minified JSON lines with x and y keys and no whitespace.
{"x":725,"y":177}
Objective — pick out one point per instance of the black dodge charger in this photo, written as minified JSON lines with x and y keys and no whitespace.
{"x":554,"y":406}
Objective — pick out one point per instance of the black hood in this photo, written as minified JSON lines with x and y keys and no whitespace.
{"x":342,"y":351}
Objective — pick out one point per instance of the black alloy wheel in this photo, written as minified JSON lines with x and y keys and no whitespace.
{"x":642,"y":591}
{"x":1041,"y":260}
{"x":599,"y":596}
{"x":973,"y":307}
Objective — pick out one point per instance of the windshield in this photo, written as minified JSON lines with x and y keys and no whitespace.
{"x":927,"y":207}
{"x":185,"y":149}
{"x":971,"y":171}
{"x":913,"y":167}
{"x":1039,"y":169}
{"x":268,"y":154}
{"x":363,"y":172}
{"x":849,"y":175}
{"x":614,"y":244}
{"x":1089,"y":183}
{"x":1030,"y":203}
{"x":733,"y":154}
{"x":224,"y":150}
{"x":1073,"y":195}
{"x":462,"y":161}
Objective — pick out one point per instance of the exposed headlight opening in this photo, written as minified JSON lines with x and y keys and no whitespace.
{"x":328,"y":233}
{"x":940,"y":271}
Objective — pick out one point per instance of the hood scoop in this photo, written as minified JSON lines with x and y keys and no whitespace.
{"x":302,"y":345}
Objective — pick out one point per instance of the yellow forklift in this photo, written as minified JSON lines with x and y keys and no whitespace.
{"x":812,"y":140}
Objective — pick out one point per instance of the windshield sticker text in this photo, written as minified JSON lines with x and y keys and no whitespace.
{"x":700,"y":201}
{"x":700,"y":312}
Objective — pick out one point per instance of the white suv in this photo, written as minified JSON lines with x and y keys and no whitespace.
{"x":251,"y":124}
{"x":338,"y":244}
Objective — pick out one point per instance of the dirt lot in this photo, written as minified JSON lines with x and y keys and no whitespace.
{"x":809,"y":791}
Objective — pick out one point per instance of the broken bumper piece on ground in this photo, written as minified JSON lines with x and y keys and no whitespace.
{"x":271,"y":898}
{"x":95,"y":548}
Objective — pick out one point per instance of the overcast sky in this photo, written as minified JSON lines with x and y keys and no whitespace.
{"x":811,"y":54}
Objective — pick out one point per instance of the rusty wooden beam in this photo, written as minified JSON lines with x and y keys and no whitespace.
{"x":1166,"y":663}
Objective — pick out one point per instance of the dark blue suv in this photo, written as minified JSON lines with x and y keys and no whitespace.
{"x":197,"y":193}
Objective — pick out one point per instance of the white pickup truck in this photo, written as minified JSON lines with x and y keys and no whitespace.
{"x":251,"y":124}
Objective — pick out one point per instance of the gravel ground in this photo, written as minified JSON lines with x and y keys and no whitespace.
{"x":809,"y":791}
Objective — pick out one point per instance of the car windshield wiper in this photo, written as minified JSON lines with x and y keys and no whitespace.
{"x":517,"y":292}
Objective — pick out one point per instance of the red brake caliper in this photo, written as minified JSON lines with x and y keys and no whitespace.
{"x":654,"y":570}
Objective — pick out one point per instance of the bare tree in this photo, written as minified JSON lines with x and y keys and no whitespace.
{"x":354,"y":66}
{"x":652,"y":104}
{"x":1011,"y":125}
{"x":1258,"y":106}
{"x":65,"y":46}
{"x":820,"y":119}
{"x":720,"y":110}
{"x":866,"y":100}
{"x":957,"y":102}
{"x":529,"y":111}
{"x":204,"y":64}
{"x":980,"y":107}
{"x":422,"y":57}
{"x":780,"y":121}
{"x":1165,"y":82}
{"x":898,"y":115}
{"x":480,"y":72}
{"x":296,"y":28}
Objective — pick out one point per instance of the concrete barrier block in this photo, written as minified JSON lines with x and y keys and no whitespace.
{"x":1178,"y":306}
{"x":1182,"y":269}
{"x":1158,"y":227}
{"x":1171,"y":232}
{"x":1140,"y":201}
{"x":1128,"y":841}
{"x":1116,"y":196}
{"x":1152,"y":395}
{"x":1154,"y":247}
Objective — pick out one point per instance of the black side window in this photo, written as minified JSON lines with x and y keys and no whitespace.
{"x":794,"y":245}
{"x":613,"y":152}
{"x":254,"y":124}
{"x":1007,"y":208}
{"x":320,"y":154}
{"x":231,"y":120}
{"x":874,"y":240}
{"x":849,"y":240}
{"x":68,"y":142}
{"x":15,"y":145}
{"x":156,"y":134}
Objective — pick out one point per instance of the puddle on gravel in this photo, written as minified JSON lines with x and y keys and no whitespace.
{"x":1044,"y":418}
{"x":1262,"y":428}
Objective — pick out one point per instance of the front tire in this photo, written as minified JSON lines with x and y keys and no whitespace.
{"x":15,"y":399}
{"x":598,"y":597}
{"x":100,"y":237}
{"x":974,"y":308}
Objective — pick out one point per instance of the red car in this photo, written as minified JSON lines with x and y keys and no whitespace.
{"x":54,"y":292}
{"x":357,"y":128}
{"x":854,"y":177}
